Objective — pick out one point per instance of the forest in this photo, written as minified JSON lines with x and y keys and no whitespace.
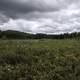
{"x":12,"y":34}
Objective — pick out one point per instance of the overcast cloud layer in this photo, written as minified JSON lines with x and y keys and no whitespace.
{"x":40,"y":16}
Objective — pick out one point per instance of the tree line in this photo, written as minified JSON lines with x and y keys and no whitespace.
{"x":11,"y":34}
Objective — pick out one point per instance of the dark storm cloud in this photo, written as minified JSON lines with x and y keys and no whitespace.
{"x":12,"y":8}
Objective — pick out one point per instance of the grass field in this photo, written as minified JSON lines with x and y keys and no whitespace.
{"x":40,"y":59}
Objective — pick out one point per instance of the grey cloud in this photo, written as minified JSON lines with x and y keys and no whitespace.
{"x":3,"y":18}
{"x":46,"y":16}
{"x":12,"y":8}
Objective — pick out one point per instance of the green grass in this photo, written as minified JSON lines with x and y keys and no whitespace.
{"x":40,"y":59}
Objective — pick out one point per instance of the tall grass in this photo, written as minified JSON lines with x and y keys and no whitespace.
{"x":39,"y":59}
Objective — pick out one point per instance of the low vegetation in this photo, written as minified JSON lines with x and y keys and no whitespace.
{"x":40,"y":59}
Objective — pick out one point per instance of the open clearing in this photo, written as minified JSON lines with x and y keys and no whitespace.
{"x":40,"y":59}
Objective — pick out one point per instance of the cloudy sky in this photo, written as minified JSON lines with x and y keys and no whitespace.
{"x":40,"y":16}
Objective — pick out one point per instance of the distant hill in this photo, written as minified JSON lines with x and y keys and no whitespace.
{"x":12,"y":34}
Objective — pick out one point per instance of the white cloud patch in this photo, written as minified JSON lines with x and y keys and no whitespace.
{"x":20,"y":25}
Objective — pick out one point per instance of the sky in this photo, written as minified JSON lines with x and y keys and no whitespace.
{"x":40,"y":16}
